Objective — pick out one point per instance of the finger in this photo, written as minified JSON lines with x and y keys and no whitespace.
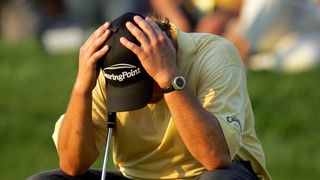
{"x":168,"y":40}
{"x":136,"y":32}
{"x":131,"y":46}
{"x":146,"y":27}
{"x":99,"y":54}
{"x":100,"y":31}
{"x":95,"y":45}
{"x":161,"y":34}
{"x":154,"y":26}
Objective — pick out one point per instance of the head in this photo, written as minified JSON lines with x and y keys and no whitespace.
{"x":129,"y":87}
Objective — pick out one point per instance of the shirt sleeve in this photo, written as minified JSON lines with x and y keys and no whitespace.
{"x":222,"y":91}
{"x":56,"y":130}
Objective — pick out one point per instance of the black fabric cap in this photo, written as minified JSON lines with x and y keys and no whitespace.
{"x":129,"y":87}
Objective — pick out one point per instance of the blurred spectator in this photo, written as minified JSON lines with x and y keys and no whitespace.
{"x":93,"y":13}
{"x":269,"y":34}
{"x":17,"y":20}
{"x":72,"y":20}
{"x":57,"y":31}
{"x":61,"y":25}
{"x":211,"y":16}
{"x":283,"y":35}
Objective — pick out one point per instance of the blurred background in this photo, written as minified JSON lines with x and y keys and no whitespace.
{"x":278,"y":40}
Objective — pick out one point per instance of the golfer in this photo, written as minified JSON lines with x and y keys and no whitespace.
{"x":181,"y":102}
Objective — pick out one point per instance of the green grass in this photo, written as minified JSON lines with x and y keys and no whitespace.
{"x":287,"y":121}
{"x":35,"y":88}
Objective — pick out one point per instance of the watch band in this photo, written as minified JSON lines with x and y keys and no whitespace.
{"x":168,"y":89}
{"x":178,"y":83}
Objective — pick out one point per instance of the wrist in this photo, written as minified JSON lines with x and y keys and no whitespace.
{"x":178,"y":83}
{"x":165,"y":82}
{"x":80,"y":90}
{"x":166,"y":79}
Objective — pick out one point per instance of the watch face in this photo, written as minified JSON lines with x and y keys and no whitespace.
{"x":180,"y":83}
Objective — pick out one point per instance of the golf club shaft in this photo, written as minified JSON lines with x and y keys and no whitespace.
{"x":105,"y":160}
{"x":111,"y":125}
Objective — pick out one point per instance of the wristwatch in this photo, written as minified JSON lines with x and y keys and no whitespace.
{"x":178,"y":83}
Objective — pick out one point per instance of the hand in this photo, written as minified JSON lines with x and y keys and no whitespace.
{"x":156,"y":52}
{"x":90,"y":53}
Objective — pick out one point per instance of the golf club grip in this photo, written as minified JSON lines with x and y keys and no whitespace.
{"x":111,"y":119}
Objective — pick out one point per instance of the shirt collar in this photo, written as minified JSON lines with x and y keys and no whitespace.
{"x":186,"y":50}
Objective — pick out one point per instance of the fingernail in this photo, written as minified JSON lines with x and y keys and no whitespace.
{"x":137,"y":17}
{"x":107,"y":23}
{"x":129,"y":23}
{"x":122,"y":39}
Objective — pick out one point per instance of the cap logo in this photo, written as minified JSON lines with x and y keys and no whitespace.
{"x":121,"y":72}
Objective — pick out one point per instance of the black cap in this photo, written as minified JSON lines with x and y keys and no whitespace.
{"x":129,"y":87}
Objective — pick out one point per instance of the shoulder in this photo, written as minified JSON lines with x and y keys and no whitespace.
{"x":215,"y":52}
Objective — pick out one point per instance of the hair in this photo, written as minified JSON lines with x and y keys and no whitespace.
{"x":163,"y":23}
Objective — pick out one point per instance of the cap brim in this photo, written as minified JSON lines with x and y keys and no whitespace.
{"x":131,"y":97}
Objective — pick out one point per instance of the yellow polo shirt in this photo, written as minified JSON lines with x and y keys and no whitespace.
{"x":146,"y":143}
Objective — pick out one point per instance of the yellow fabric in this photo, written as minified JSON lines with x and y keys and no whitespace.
{"x":146,"y":142}
{"x":206,"y":6}
{"x":228,"y":5}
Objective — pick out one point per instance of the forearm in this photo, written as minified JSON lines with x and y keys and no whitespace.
{"x":76,"y":145}
{"x":199,"y":129}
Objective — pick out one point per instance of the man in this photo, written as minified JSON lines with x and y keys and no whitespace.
{"x":281,"y":35}
{"x":210,"y":16}
{"x":182,"y":106}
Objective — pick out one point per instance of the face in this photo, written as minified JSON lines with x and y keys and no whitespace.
{"x":157,"y":94}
